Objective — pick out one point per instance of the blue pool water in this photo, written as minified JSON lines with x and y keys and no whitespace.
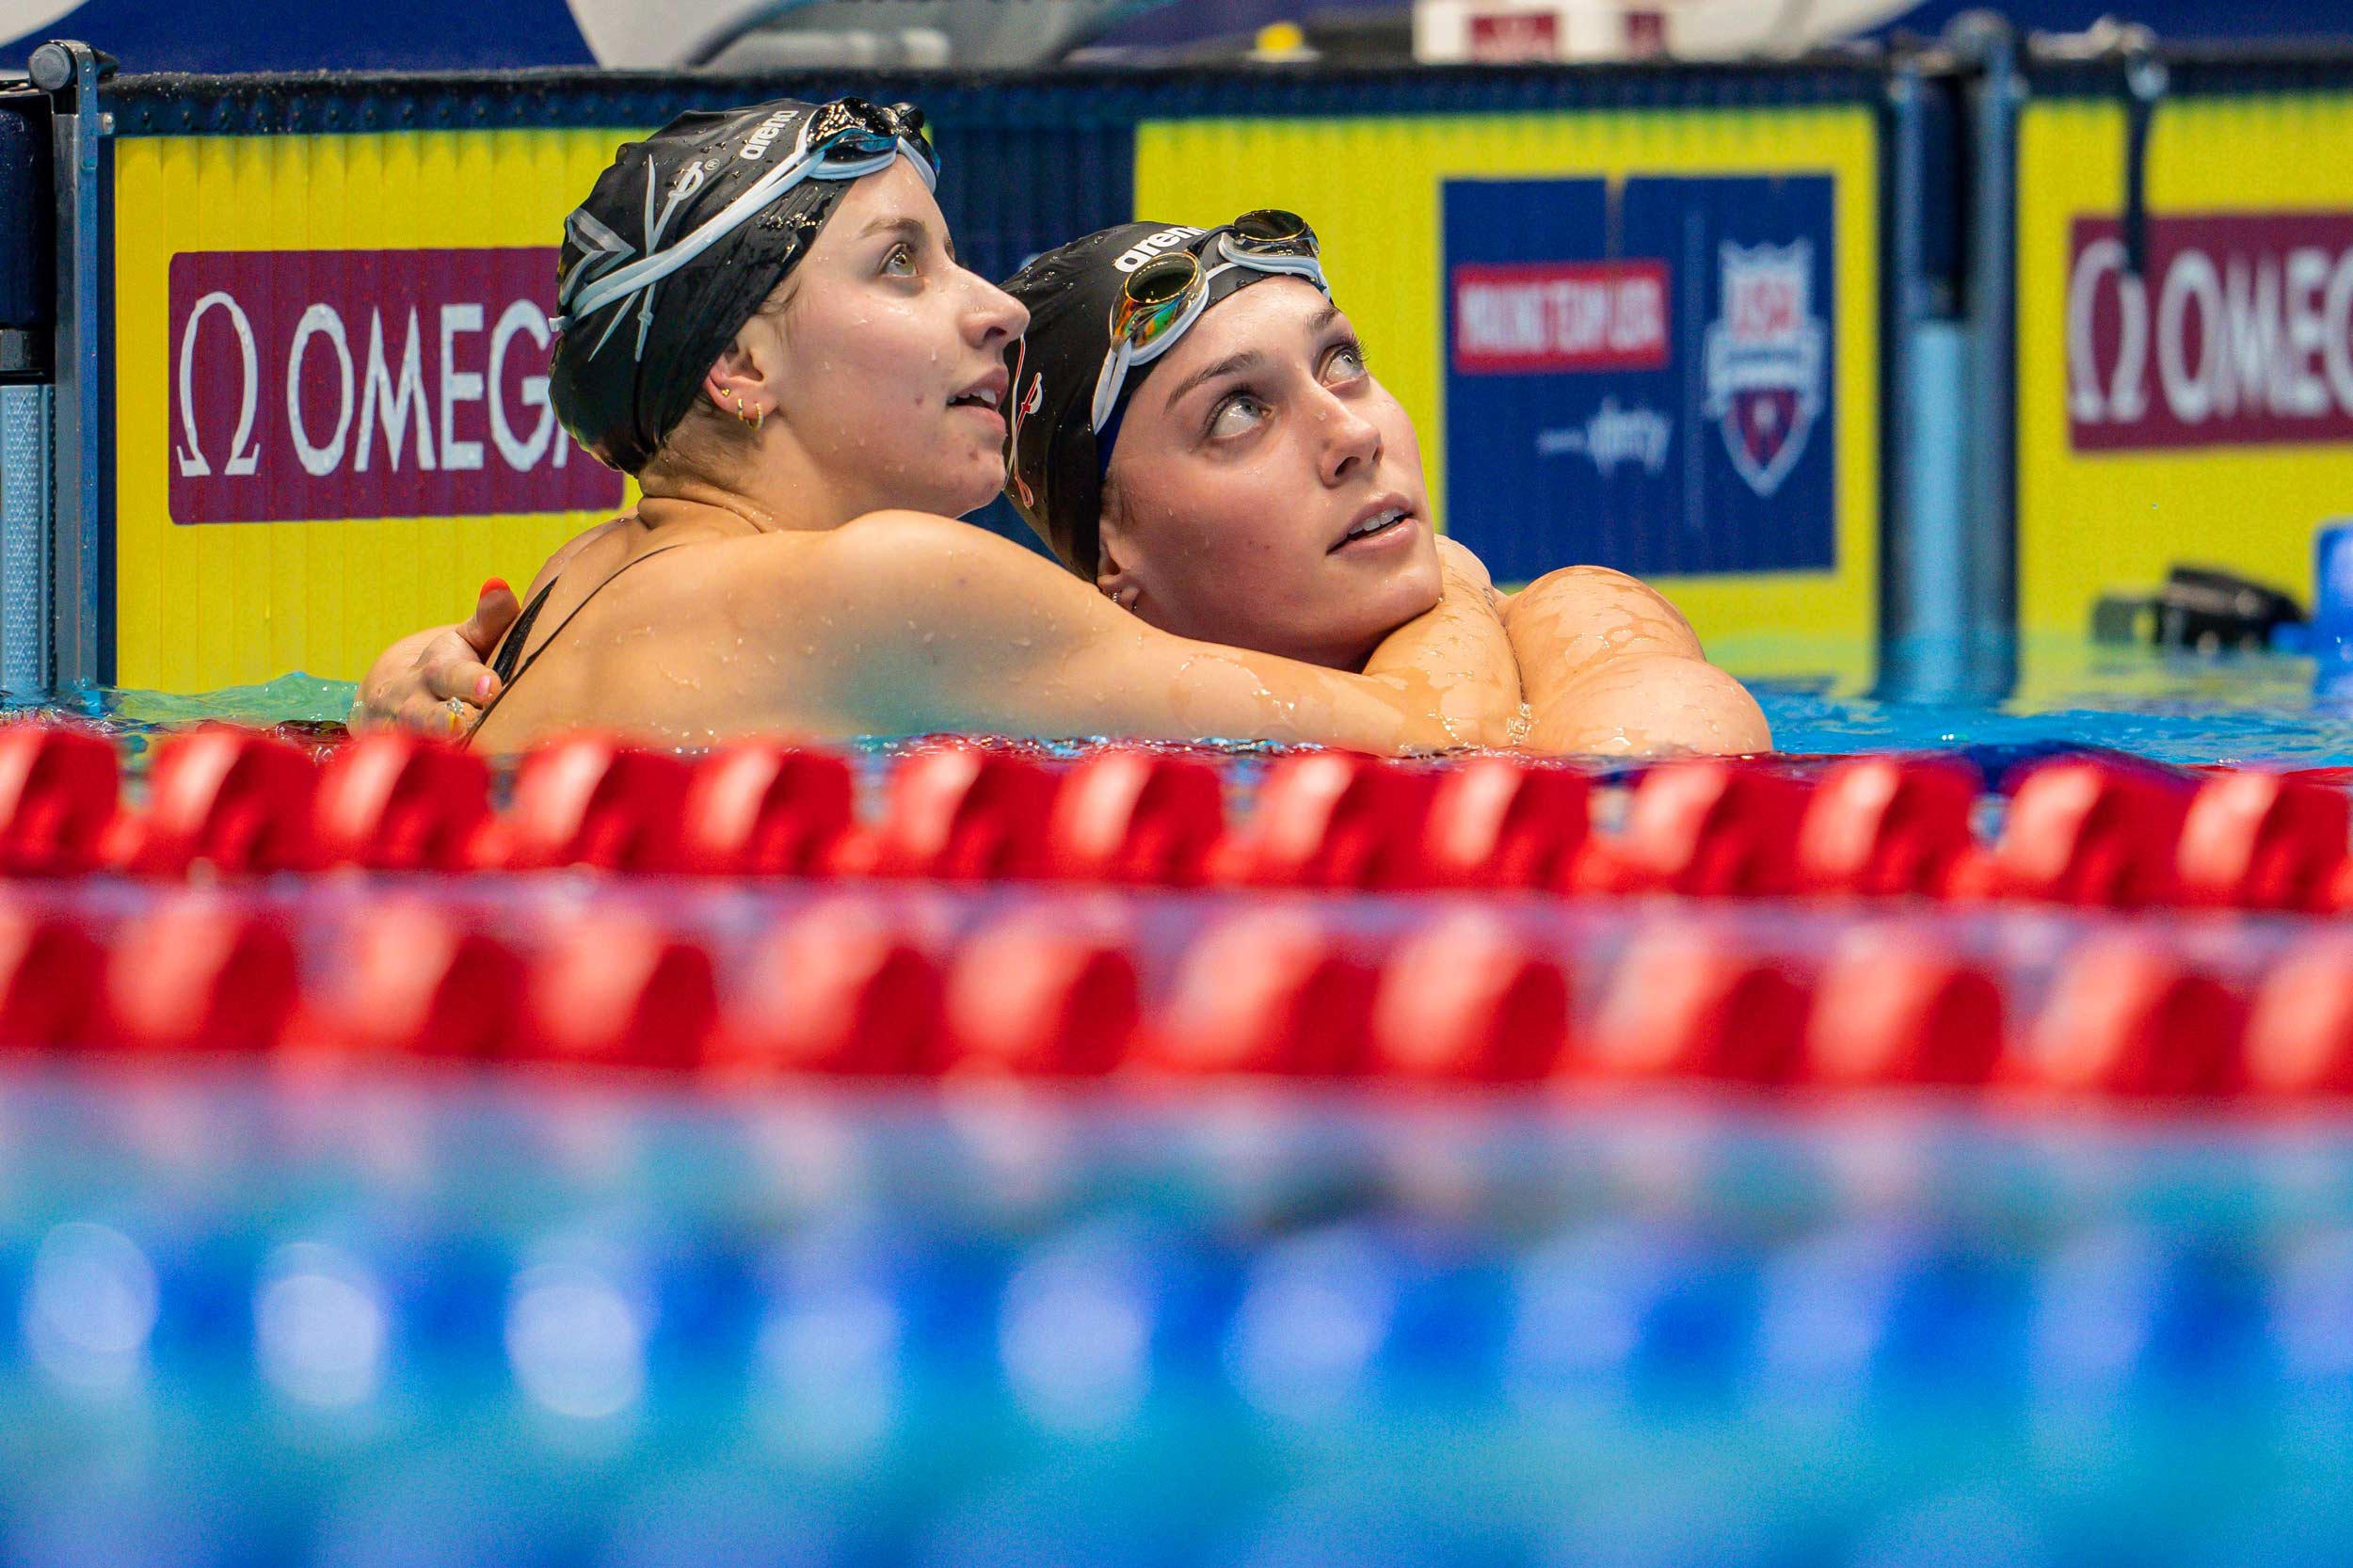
{"x":2245,"y":709}
{"x":439,"y":1322}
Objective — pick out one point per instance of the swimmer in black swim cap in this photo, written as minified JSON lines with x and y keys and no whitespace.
{"x":1103,"y":310}
{"x":1217,"y":456}
{"x":683,"y":239}
{"x":1212,"y":454}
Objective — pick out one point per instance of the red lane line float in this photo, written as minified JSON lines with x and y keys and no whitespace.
{"x":1893,"y":1008}
{"x":958,"y":813}
{"x":1885,"y":827}
{"x":1263,"y":992}
{"x":1688,"y":1004}
{"x":616,"y":991}
{"x":412,"y":980}
{"x":2263,"y":840}
{"x":236,"y":800}
{"x":196,"y":973}
{"x":1333,"y":820}
{"x":51,"y":974}
{"x":1467,"y":1001}
{"x":1496,"y":822}
{"x":2086,"y":832}
{"x":2299,"y":1033}
{"x":387,"y":801}
{"x":1126,"y":815}
{"x":1028,"y":999}
{"x":2127,"y":1019}
{"x":589,"y":801}
{"x":60,"y":788}
{"x":1703,"y":827}
{"x":765,"y":810}
{"x":838,"y":989}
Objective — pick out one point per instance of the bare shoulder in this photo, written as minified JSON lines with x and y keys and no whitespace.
{"x":570,"y":549}
{"x":922,"y":562}
{"x":895,"y":540}
{"x":1599,"y":602}
{"x":907,"y":591}
{"x":1603,"y":587}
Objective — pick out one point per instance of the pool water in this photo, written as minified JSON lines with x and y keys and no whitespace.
{"x":2244,"y":709}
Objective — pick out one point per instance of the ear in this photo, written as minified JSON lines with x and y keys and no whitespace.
{"x":738,"y":379}
{"x":1118,"y":582}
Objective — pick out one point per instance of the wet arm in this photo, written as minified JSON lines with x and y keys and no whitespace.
{"x":969,"y":631}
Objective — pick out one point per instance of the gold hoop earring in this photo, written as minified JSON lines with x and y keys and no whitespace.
{"x":751,"y":418}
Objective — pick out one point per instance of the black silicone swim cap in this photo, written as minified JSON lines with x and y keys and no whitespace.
{"x":682,"y":238}
{"x":1054,"y":473}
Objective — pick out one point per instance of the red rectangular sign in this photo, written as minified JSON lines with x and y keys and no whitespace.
{"x":1507,"y":37}
{"x":1523,"y":318}
{"x":2237,"y":331}
{"x":332,"y":384}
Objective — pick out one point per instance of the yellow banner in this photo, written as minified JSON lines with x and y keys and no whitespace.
{"x":1376,"y":189}
{"x":330,"y":416}
{"x":2199,"y":412}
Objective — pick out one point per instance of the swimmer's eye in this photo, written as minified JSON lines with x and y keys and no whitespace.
{"x":1236,"y":416}
{"x":1346,"y":362}
{"x":900,"y":263}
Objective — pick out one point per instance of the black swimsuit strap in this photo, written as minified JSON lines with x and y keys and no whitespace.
{"x":510,"y":652}
{"x":509,"y":665}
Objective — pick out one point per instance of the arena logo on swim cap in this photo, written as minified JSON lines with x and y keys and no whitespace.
{"x":768,"y":129}
{"x":1153,"y":244}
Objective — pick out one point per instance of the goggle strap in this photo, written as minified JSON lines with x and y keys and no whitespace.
{"x":623,"y":281}
{"x":1106,"y":384}
{"x":1309,"y":267}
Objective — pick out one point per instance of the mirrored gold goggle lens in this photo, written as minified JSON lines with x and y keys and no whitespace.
{"x":1273,"y":226}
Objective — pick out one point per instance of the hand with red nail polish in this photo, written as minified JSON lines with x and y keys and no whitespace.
{"x":437,"y":681}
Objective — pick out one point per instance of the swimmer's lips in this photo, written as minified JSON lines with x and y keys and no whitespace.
{"x":986,"y":396}
{"x":1383,"y":520}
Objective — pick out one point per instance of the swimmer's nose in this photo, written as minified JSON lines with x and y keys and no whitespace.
{"x":996,"y":318}
{"x":1352,"y":442}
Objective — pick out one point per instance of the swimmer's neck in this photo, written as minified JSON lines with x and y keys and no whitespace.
{"x":772,"y":492}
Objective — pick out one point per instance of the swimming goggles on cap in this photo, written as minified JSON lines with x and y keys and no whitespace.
{"x":1167,"y":294}
{"x":846,"y":139}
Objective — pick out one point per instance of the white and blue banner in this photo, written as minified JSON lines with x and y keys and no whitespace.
{"x":1640,"y":372}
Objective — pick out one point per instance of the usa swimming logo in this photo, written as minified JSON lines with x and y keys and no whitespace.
{"x":1765,"y":356}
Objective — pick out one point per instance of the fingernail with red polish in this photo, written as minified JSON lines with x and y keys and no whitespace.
{"x":495,"y":584}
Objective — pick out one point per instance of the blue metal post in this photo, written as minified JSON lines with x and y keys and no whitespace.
{"x":69,"y":74}
{"x":1988,"y":542}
